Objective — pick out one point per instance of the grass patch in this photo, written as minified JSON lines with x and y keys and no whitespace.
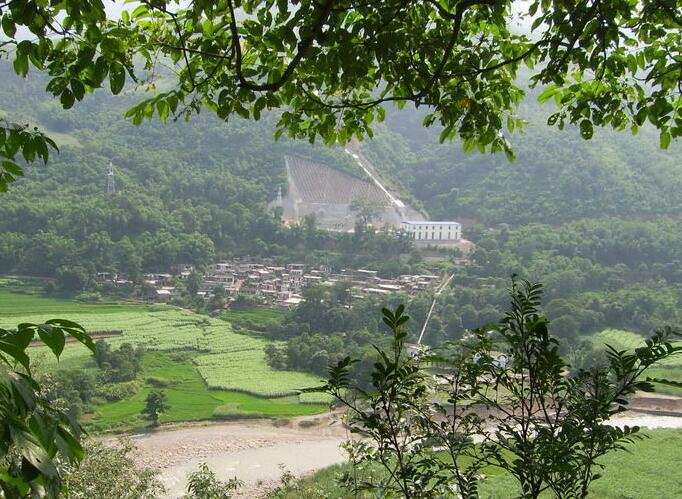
{"x":259,"y":314}
{"x":41,"y":308}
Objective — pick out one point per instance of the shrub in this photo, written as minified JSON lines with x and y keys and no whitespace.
{"x":158,"y":381}
{"x":112,"y":392}
{"x":232,"y":411}
{"x":203,"y":484}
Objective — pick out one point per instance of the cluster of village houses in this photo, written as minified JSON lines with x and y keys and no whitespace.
{"x":281,"y":285}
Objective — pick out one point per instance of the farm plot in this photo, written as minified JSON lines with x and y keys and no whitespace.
{"x":248,"y":372}
{"x":225,"y":360}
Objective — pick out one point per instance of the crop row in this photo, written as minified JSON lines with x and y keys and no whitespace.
{"x":224,"y":359}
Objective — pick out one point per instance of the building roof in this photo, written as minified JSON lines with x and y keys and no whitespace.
{"x":428,"y":222}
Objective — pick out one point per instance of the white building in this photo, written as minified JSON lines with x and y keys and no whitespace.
{"x":433,"y":231}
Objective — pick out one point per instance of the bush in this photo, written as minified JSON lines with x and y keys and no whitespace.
{"x":158,"y":381}
{"x":232,"y":411}
{"x":112,"y":392}
{"x":111,"y":472}
{"x":203,"y":484}
{"x":89,"y":297}
{"x":309,"y":423}
{"x":181,"y":356}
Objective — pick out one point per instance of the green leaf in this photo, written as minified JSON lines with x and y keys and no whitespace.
{"x":53,"y":338}
{"x":8,"y":26}
{"x":116,"y":77}
{"x":586,"y":129}
{"x":9,"y":346}
{"x":665,"y":139}
{"x":67,"y":99}
{"x":207,"y":28}
{"x":548,"y":93}
{"x":12,"y":168}
{"x":78,"y":89}
{"x":21,"y":64}
{"x":163,"y":109}
{"x":139,"y":12}
{"x":75,"y":330}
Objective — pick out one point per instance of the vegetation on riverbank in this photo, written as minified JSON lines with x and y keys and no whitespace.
{"x":660,"y":451}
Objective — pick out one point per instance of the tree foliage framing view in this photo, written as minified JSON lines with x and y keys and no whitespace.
{"x":34,"y":433}
{"x":330,"y":66}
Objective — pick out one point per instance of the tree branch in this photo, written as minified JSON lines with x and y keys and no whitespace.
{"x":302,"y":50}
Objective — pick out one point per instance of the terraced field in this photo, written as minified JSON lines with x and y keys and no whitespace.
{"x":224,"y":359}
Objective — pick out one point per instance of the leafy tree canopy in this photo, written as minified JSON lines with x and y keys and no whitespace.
{"x":330,"y":65}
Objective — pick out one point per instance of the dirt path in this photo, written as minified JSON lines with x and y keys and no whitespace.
{"x":253,"y":451}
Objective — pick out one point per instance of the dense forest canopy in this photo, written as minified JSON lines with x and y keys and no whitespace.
{"x":558,"y":177}
{"x":186,"y":191}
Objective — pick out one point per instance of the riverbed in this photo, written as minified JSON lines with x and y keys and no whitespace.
{"x":258,"y":452}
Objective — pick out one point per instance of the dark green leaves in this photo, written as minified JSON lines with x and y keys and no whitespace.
{"x":67,"y":99}
{"x":586,"y":129}
{"x":13,"y":346}
{"x":322,"y":66}
{"x":30,"y":427}
{"x":116,"y":78}
{"x":73,"y":329}
{"x":15,"y":138}
{"x":395,"y":320}
{"x":8,"y":26}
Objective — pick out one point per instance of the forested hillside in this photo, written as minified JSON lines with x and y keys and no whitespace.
{"x":599,"y":222}
{"x":557,"y":177}
{"x":186,"y":191}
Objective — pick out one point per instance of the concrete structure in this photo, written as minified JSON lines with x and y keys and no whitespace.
{"x":327,"y":193}
{"x":432,"y":231}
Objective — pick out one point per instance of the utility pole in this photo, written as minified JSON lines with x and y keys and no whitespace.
{"x":111,"y":183}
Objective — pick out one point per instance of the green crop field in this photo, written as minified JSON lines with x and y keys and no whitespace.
{"x":21,"y":304}
{"x":189,"y":400}
{"x":222,"y":369}
{"x":257,"y":314}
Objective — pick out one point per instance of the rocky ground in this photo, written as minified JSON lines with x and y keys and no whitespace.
{"x":258,"y":452}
